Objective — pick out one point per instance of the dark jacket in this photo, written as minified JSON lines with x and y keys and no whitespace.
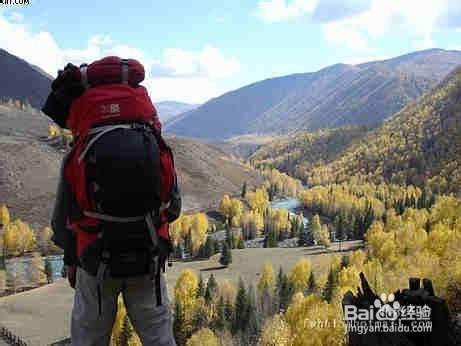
{"x":63,"y":235}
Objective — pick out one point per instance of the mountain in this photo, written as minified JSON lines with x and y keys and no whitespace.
{"x":420,"y":145}
{"x":335,"y":96}
{"x":22,"y":81}
{"x":29,"y":168}
{"x":168,"y":110}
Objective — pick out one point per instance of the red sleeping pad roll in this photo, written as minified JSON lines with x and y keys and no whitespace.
{"x":109,"y":71}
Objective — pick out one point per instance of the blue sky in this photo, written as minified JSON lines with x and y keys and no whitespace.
{"x":197,"y":50}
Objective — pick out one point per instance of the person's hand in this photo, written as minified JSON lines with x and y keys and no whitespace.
{"x":71,"y":275}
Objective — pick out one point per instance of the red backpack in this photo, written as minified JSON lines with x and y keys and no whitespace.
{"x":121,"y":172}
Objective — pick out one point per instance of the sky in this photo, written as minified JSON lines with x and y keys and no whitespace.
{"x":196,"y":50}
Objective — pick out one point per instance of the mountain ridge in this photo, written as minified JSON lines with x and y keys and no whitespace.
{"x":22,"y":81}
{"x":334,"y":96}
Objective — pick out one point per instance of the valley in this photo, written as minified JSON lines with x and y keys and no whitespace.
{"x":291,"y":187}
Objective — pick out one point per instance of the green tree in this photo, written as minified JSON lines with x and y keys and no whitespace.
{"x":252,"y":317}
{"x":284,"y":289}
{"x":210,"y":247}
{"x":211,"y":290}
{"x":226,"y":255}
{"x":244,"y":190}
{"x":311,"y":283}
{"x":201,"y":287}
{"x":241,"y":308}
{"x":331,"y":285}
{"x":229,"y":237}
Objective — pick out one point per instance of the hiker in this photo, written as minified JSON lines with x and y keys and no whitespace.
{"x":117,"y":194}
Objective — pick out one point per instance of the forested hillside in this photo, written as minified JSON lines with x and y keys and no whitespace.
{"x":307,"y":150}
{"x":419,"y":146}
{"x":335,"y":96}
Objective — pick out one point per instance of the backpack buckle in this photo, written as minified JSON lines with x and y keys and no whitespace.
{"x":141,"y":127}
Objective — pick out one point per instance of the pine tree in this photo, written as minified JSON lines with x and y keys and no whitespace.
{"x":244,"y":190}
{"x":201,"y":287}
{"x":229,"y":239}
{"x":284,"y":290}
{"x":226,"y":255}
{"x":210,"y":247}
{"x":211,"y":289}
{"x":344,"y":261}
{"x":241,"y":308}
{"x":330,"y":286}
{"x":253,"y":326}
{"x":311,"y":283}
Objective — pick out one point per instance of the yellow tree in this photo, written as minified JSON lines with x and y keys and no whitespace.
{"x":225,"y":206}
{"x":204,"y":337}
{"x":316,"y":227}
{"x":276,"y":332}
{"x":324,"y":236}
{"x":44,"y":240}
{"x":185,"y":289}
{"x":258,"y":200}
{"x":299,"y":275}
{"x":228,"y":291}
{"x":122,"y":330}
{"x":185,"y":300}
{"x":4,"y":216}
{"x":302,"y":317}
{"x":236,"y":208}
{"x":175,"y":230}
{"x":11,"y":239}
{"x":26,"y":237}
{"x":267,"y":279}
{"x":199,"y":230}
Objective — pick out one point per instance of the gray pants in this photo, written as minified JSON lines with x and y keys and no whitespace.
{"x":152,"y":323}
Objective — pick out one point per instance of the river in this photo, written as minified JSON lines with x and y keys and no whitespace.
{"x":292,"y":204}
